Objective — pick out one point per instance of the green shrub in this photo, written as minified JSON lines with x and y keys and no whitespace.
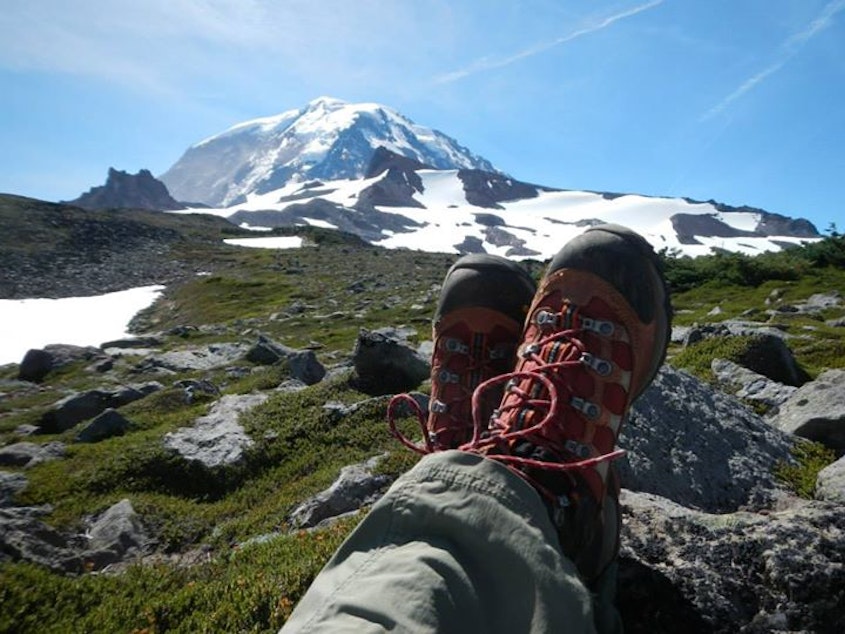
{"x":800,"y":475}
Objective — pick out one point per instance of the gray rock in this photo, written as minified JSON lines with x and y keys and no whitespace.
{"x":29,"y":454}
{"x":817,"y":411}
{"x":355,"y":486}
{"x":384,"y":364}
{"x":830,"y":483}
{"x":38,"y":363}
{"x":207,"y":357}
{"x":24,"y":537}
{"x":686,"y":571}
{"x":746,"y":384}
{"x":76,"y":408}
{"x":10,"y":485}
{"x":216,"y":439}
{"x":680,"y":333}
{"x":108,"y":424}
{"x":836,"y":323}
{"x":819,"y":302}
{"x":699,"y":447}
{"x":115,"y":536}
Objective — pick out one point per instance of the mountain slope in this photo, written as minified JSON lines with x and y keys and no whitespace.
{"x":327,"y":139}
{"x":405,"y":204}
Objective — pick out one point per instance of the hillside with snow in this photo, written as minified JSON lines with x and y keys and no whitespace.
{"x":464,"y":211}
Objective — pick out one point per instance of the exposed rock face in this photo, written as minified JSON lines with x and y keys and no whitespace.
{"x":748,"y":385}
{"x":355,"y":486}
{"x":114,"y":536}
{"x":687,"y":226}
{"x":683,"y":570}
{"x":700,"y":448}
{"x":133,"y":191}
{"x":817,"y":411}
{"x":201,"y":358}
{"x":488,"y":189}
{"x":216,"y":439}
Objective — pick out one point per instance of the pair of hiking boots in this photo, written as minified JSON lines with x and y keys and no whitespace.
{"x":540,"y":379}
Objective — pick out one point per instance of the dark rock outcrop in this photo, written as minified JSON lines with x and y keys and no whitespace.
{"x":108,"y":424}
{"x":131,"y":191}
{"x":302,"y":364}
{"x":79,"y":407}
{"x":39,"y":362}
{"x":384,"y":364}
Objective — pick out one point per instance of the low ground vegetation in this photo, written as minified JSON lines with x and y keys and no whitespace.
{"x":317,"y":297}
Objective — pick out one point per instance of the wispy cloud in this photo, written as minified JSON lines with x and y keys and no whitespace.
{"x":592,"y":26}
{"x":787,"y":50}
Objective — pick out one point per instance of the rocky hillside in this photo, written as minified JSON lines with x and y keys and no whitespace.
{"x":60,"y":250}
{"x":196,"y":476}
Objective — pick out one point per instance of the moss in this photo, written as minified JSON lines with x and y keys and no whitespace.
{"x":800,"y":475}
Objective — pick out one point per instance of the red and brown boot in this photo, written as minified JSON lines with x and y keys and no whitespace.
{"x":595,"y":336}
{"x":476,"y":329}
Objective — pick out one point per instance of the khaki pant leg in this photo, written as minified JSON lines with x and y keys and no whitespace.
{"x":458,"y":544}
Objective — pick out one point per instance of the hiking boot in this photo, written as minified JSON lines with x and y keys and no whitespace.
{"x":595,"y":336}
{"x":476,"y":329}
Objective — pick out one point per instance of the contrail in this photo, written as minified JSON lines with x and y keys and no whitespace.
{"x":489,"y":64}
{"x":789,"y":49}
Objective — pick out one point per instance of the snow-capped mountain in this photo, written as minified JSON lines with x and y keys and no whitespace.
{"x":328,"y":139}
{"x":402,"y":203}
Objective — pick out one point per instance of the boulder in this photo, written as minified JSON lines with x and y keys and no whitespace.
{"x":76,"y":408}
{"x":216,"y":439}
{"x":699,"y":447}
{"x":682,"y":570}
{"x":355,"y":487}
{"x":108,"y":424}
{"x":303,"y":364}
{"x":768,"y":354}
{"x":830,"y":483}
{"x":817,"y":411}
{"x":38,"y":363}
{"x":750,"y":386}
{"x":384,"y":363}
{"x":29,"y":454}
{"x":115,"y":536}
{"x":24,"y":537}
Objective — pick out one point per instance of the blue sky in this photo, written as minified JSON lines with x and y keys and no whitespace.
{"x":741,"y":101}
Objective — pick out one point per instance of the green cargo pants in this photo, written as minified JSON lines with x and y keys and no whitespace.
{"x":458,"y":544}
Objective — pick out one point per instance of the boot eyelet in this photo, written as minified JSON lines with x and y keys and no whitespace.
{"x":602,"y":367}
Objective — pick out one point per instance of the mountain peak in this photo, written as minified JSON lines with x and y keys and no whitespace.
{"x":328,"y":139}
